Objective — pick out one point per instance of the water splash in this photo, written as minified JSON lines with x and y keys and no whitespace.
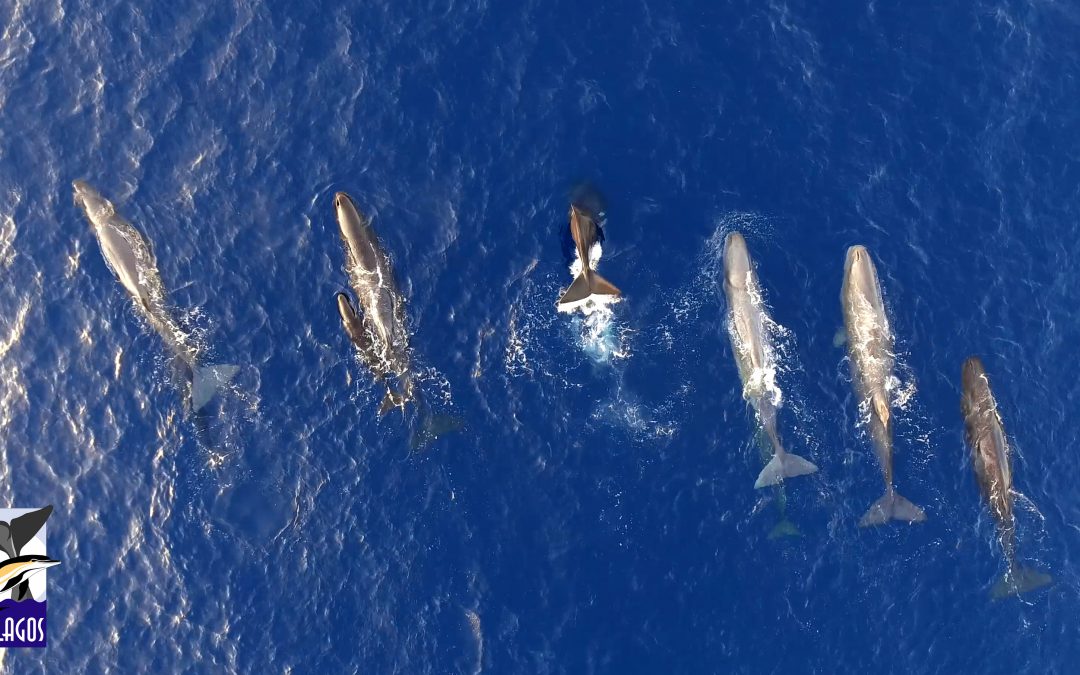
{"x":601,"y":337}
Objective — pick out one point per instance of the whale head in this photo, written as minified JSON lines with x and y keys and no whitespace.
{"x":974,"y":374}
{"x":88,"y":198}
{"x":857,"y":257}
{"x":345,"y":308}
{"x":343,"y":204}
{"x":736,"y":260}
{"x":859,"y":271}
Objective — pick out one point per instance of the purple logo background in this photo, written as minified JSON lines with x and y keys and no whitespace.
{"x":22,"y":624}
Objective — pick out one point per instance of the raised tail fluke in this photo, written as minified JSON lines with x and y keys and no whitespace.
{"x":598,"y":285}
{"x":892,"y":506}
{"x":1020,"y":580}
{"x":585,"y":286}
{"x":206,"y":381}
{"x":578,"y":291}
{"x":781,"y":466}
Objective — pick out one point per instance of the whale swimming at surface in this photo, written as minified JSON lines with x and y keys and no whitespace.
{"x":756,"y":357}
{"x":990,"y":456}
{"x":374,"y":320}
{"x":378,"y":329}
{"x":131,"y":259}
{"x":870,"y":347}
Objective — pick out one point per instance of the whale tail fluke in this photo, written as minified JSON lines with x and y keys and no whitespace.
{"x":781,"y":466}
{"x":434,"y":428}
{"x":892,"y":506}
{"x":390,"y":401}
{"x":397,"y":399}
{"x":1019,"y":580}
{"x":206,"y":381}
{"x":585,"y":285}
{"x":784,"y":528}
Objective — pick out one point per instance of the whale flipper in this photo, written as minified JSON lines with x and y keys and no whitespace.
{"x":207,"y":380}
{"x":587,"y":284}
{"x":1019,"y":580}
{"x":781,"y":466}
{"x":892,"y":506}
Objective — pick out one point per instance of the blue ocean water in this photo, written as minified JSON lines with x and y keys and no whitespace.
{"x":596,"y":514}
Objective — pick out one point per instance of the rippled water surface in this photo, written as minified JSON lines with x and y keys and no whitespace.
{"x":596,"y":514}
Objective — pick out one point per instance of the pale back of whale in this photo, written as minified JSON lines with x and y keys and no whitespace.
{"x":747,"y":325}
{"x":990,"y":456}
{"x":381,"y":306}
{"x":588,"y":283}
{"x":132,"y":261}
{"x":870,"y":347}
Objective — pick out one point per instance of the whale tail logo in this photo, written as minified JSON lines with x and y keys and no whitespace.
{"x":206,"y":381}
{"x":14,"y":536}
{"x":1019,"y":580}
{"x":587,"y":284}
{"x":781,"y":466}
{"x":892,"y":507}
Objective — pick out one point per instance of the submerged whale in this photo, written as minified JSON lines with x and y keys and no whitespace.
{"x":870,"y":347}
{"x":132,"y":261}
{"x":755,"y":357}
{"x":378,"y":329}
{"x":588,"y":283}
{"x":993,"y":470}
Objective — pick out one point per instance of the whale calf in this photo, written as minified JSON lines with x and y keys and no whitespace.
{"x":755,"y":357}
{"x":588,"y":283}
{"x":993,"y":471}
{"x":378,"y":329}
{"x":870,"y":347}
{"x":132,"y":261}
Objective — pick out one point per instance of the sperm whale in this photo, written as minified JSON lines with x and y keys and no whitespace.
{"x":131,"y":259}
{"x":755,"y":356}
{"x":378,"y":329}
{"x":588,"y":283}
{"x":990,"y":456}
{"x":870,"y":347}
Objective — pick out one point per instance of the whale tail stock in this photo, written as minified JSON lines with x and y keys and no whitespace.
{"x":586,"y":284}
{"x":397,"y":399}
{"x":1019,"y":580}
{"x":206,"y":381}
{"x":892,"y":506}
{"x":781,"y":466}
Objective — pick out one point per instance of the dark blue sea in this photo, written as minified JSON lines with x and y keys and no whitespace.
{"x":596,"y":512}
